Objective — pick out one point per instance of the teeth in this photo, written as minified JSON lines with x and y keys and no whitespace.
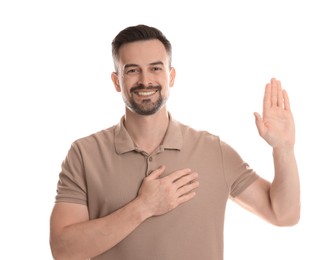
{"x":146,"y":93}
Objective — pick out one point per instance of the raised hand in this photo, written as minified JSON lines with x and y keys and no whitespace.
{"x":276,"y":126}
{"x":161,"y":195}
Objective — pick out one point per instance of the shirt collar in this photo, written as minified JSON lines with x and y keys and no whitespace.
{"x":173,"y":139}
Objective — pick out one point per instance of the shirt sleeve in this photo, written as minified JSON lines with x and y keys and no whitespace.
{"x":72,"y":186}
{"x":238,"y":174}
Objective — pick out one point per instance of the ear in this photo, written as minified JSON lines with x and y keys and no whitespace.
{"x":116,"y":81}
{"x":172,"y":75}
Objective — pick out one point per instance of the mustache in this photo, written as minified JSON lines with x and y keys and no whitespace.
{"x":141,"y":87}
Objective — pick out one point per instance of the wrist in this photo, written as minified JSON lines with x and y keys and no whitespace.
{"x":283,"y":149}
{"x":141,"y":209}
{"x":283,"y":154}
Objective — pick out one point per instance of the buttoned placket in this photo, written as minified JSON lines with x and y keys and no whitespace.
{"x":151,"y":160}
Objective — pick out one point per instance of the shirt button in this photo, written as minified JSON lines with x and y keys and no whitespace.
{"x":150,"y":159}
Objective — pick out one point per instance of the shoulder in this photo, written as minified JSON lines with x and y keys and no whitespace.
{"x":102,"y":137}
{"x":198,"y":134}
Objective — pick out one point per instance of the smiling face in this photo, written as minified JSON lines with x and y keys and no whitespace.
{"x":144,"y":76}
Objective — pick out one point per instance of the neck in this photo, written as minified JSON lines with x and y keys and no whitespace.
{"x":147,"y":131}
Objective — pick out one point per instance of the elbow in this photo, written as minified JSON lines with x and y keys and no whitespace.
{"x":57,"y":255}
{"x":57,"y":251}
{"x":288,"y":220}
{"x":60,"y":251}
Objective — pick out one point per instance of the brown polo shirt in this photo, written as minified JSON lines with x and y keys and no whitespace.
{"x":104,"y":171}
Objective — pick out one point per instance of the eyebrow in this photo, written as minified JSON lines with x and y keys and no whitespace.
{"x":157,"y":63}
{"x":136,"y":65}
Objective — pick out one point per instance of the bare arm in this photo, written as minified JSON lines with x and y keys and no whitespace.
{"x":74,"y":236}
{"x":277,"y":202}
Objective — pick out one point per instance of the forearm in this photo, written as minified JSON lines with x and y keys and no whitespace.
{"x":90,"y":238}
{"x":285,"y":188}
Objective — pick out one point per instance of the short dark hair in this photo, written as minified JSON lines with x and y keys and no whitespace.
{"x":139,"y":32}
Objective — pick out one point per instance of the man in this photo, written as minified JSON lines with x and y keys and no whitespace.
{"x":153,"y":188}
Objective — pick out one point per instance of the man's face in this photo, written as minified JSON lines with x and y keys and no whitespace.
{"x":144,"y":76}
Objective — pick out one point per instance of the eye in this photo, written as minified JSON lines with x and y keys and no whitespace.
{"x":156,"y":68}
{"x":132,"y":71}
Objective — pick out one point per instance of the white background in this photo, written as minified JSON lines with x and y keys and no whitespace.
{"x":55,"y":67}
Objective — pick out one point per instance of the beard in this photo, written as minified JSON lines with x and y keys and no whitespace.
{"x":147,"y":106}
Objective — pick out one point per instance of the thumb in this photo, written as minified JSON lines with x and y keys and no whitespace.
{"x":259,"y":123}
{"x":155,"y":174}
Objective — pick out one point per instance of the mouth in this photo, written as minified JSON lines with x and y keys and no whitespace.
{"x":145,"y":93}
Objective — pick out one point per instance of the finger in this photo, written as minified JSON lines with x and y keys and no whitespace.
{"x":286,"y":100}
{"x":280,"y":95}
{"x":173,"y":177}
{"x":259,"y":123}
{"x":156,"y":173}
{"x":186,"y":197}
{"x":187,"y":188}
{"x":186,"y":179}
{"x":267,"y":97}
{"x":274,"y":91}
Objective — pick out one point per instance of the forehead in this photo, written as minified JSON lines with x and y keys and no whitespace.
{"x":143,"y":52}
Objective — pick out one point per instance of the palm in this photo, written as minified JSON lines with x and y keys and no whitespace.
{"x":276,"y":126}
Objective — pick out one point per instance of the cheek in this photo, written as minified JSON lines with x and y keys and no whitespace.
{"x":129,"y":82}
{"x":125,"y":89}
{"x":124,"y":85}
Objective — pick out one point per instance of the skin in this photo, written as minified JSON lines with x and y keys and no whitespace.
{"x":145,"y":63}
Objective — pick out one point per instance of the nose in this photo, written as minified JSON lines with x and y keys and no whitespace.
{"x":145,"y":79}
